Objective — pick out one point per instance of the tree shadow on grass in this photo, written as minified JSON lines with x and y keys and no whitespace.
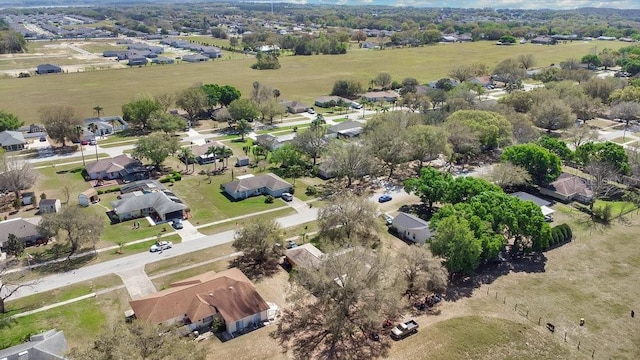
{"x":256,"y":270}
{"x":463,"y":287}
{"x":64,"y":265}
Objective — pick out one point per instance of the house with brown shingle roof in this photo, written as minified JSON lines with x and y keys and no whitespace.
{"x":197,"y":301}
{"x":119,"y":167}
{"x":568,"y":188}
{"x":267,"y":184}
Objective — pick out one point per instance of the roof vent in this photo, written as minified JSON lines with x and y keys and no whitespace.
{"x":230,"y":287}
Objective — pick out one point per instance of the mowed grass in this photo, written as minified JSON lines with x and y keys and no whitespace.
{"x":301,"y":78}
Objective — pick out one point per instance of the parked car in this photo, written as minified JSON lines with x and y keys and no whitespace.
{"x":384,"y":198}
{"x":387,"y":219}
{"x":161,"y":245}
{"x":311,"y":111}
{"x":177,"y":224}
{"x":287,"y":197}
{"x":291,"y":244}
{"x":404,"y":329}
{"x":84,"y":142}
{"x":43,"y":138}
{"x":93,"y":142}
{"x":356,"y":105}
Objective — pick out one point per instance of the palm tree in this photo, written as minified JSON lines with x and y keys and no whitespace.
{"x":244,"y":127}
{"x":187,"y":156}
{"x":318,"y":121}
{"x":226,"y":152}
{"x":98,"y":109}
{"x":213,"y":150}
{"x":79,"y":132}
{"x":93,"y":127}
{"x":276,"y":93}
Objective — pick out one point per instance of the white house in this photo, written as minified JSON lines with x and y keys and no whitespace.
{"x":412,"y":228}
{"x":49,"y":206}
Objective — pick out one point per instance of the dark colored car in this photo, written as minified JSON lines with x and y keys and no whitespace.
{"x":384,"y":198}
{"x":43,"y":138}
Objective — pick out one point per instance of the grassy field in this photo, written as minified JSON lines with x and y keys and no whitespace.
{"x":300,"y":78}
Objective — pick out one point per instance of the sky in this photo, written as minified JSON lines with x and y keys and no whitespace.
{"x":503,"y":4}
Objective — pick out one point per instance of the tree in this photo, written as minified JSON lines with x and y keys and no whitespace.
{"x":60,"y":122}
{"x":427,"y":142}
{"x":543,"y":165}
{"x":12,"y":42}
{"x":526,"y":60}
{"x":311,"y":142}
{"x":422,"y":272}
{"x":604,"y":179}
{"x":10,"y":283}
{"x":346,"y":88}
{"x":599,"y":88}
{"x":166,"y":122}
{"x":287,"y":156}
{"x":75,"y":224}
{"x":243,"y":109}
{"x":138,"y":112}
{"x":98,"y":110}
{"x":578,"y":135}
{"x":262,"y":244}
{"x":556,"y":146}
{"x":266,"y":61}
{"x":592,"y":60}
{"x":523,"y":129}
{"x":156,"y":148}
{"x":511,"y":72}
{"x":461,"y":73}
{"x":244,"y":127}
{"x":228,"y":94}
{"x":348,"y":160}
{"x":506,"y":175}
{"x":349,"y":219}
{"x":9,"y":121}
{"x":463,"y":188}
{"x":137,"y":341}
{"x":553,"y":115}
{"x":627,"y":111}
{"x":386,"y":140}
{"x":609,"y":58}
{"x":193,"y":101}
{"x":270,"y":108}
{"x":629,"y":93}
{"x":16,"y":174}
{"x":338,"y":306}
{"x":431,"y":186}
{"x":455,"y":242}
{"x":165,"y":100}
{"x":14,"y":246}
{"x":605,"y":152}
{"x":187,"y":156}
{"x":493,"y":130}
{"x":507,"y":39}
{"x":383,"y":80}
{"x":521,"y":101}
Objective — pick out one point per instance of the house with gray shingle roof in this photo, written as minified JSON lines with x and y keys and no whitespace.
{"x":345,"y":129}
{"x":12,"y":140}
{"x":25,"y":229}
{"x":412,"y":228}
{"x":49,"y":345}
{"x":157,"y":204}
{"x":119,"y":167}
{"x":267,"y":184}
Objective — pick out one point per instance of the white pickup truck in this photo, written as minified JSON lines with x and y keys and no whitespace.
{"x":404,"y":329}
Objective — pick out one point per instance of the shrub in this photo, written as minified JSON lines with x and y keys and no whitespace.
{"x":603,"y":213}
{"x":268,"y":199}
{"x":569,"y":232}
{"x":292,"y":191}
{"x":311,"y":190}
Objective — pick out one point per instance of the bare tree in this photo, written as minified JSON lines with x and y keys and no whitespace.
{"x":507,"y":175}
{"x":60,"y":122}
{"x":78,"y":226}
{"x":350,"y":160}
{"x":165,"y":100}
{"x":67,"y":194}
{"x":461,"y":73}
{"x":11,"y":282}
{"x":383,"y":80}
{"x":526,"y":60}
{"x":578,"y":135}
{"x":311,"y":142}
{"x":353,"y":293}
{"x":261,"y":243}
{"x":16,"y":175}
{"x":627,"y":111}
{"x":604,"y":179}
{"x":349,"y":218}
{"x":422,"y":272}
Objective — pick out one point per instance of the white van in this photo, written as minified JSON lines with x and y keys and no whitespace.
{"x":356,"y":105}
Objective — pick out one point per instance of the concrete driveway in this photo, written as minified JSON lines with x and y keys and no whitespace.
{"x":189,"y":232}
{"x":137,"y":282}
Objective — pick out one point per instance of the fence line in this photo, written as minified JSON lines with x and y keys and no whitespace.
{"x":555,"y":329}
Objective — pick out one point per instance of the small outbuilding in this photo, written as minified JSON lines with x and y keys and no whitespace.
{"x":242,"y":161}
{"x":88,"y":197}
{"x":48,"y":69}
{"x":49,"y":206}
{"x":412,"y":228}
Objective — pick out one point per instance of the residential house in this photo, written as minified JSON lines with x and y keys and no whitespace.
{"x":294,"y":107}
{"x":544,"y":40}
{"x":379,"y":96}
{"x":412,"y":228}
{"x":568,"y":188}
{"x":119,"y":167}
{"x":484,"y":81}
{"x":195,"y":58}
{"x":606,"y":38}
{"x":200,"y":153}
{"x":49,"y":206}
{"x":327,"y":170}
{"x":162,"y":60}
{"x":212,"y":52}
{"x":48,"y":345}
{"x":329,"y":101}
{"x":144,"y":186}
{"x":106,"y":125}
{"x":544,"y":204}
{"x":161,"y":206}
{"x":249,"y":185}
{"x":345,"y":129}
{"x":228,"y":296}
{"x":305,"y":256}
{"x":25,"y":229}
{"x":88,"y":197}
{"x":12,"y":140}
{"x":268,"y":48}
{"x":137,"y":60}
{"x":48,"y":69}
{"x":273,"y":142}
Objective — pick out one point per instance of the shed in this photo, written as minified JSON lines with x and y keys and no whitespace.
{"x":88,"y":197}
{"x":242,"y":161}
{"x":305,"y":256}
{"x":48,"y":69}
{"x":49,"y":206}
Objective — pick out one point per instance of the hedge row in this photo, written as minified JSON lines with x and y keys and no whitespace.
{"x":560,"y":234}
{"x":172,"y":177}
{"x":109,"y":190}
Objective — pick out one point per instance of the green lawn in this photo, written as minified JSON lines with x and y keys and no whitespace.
{"x":618,"y":208}
{"x":208,"y":203}
{"x":232,"y":225}
{"x":301,"y":78}
{"x":52,"y":180}
{"x":88,"y":158}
